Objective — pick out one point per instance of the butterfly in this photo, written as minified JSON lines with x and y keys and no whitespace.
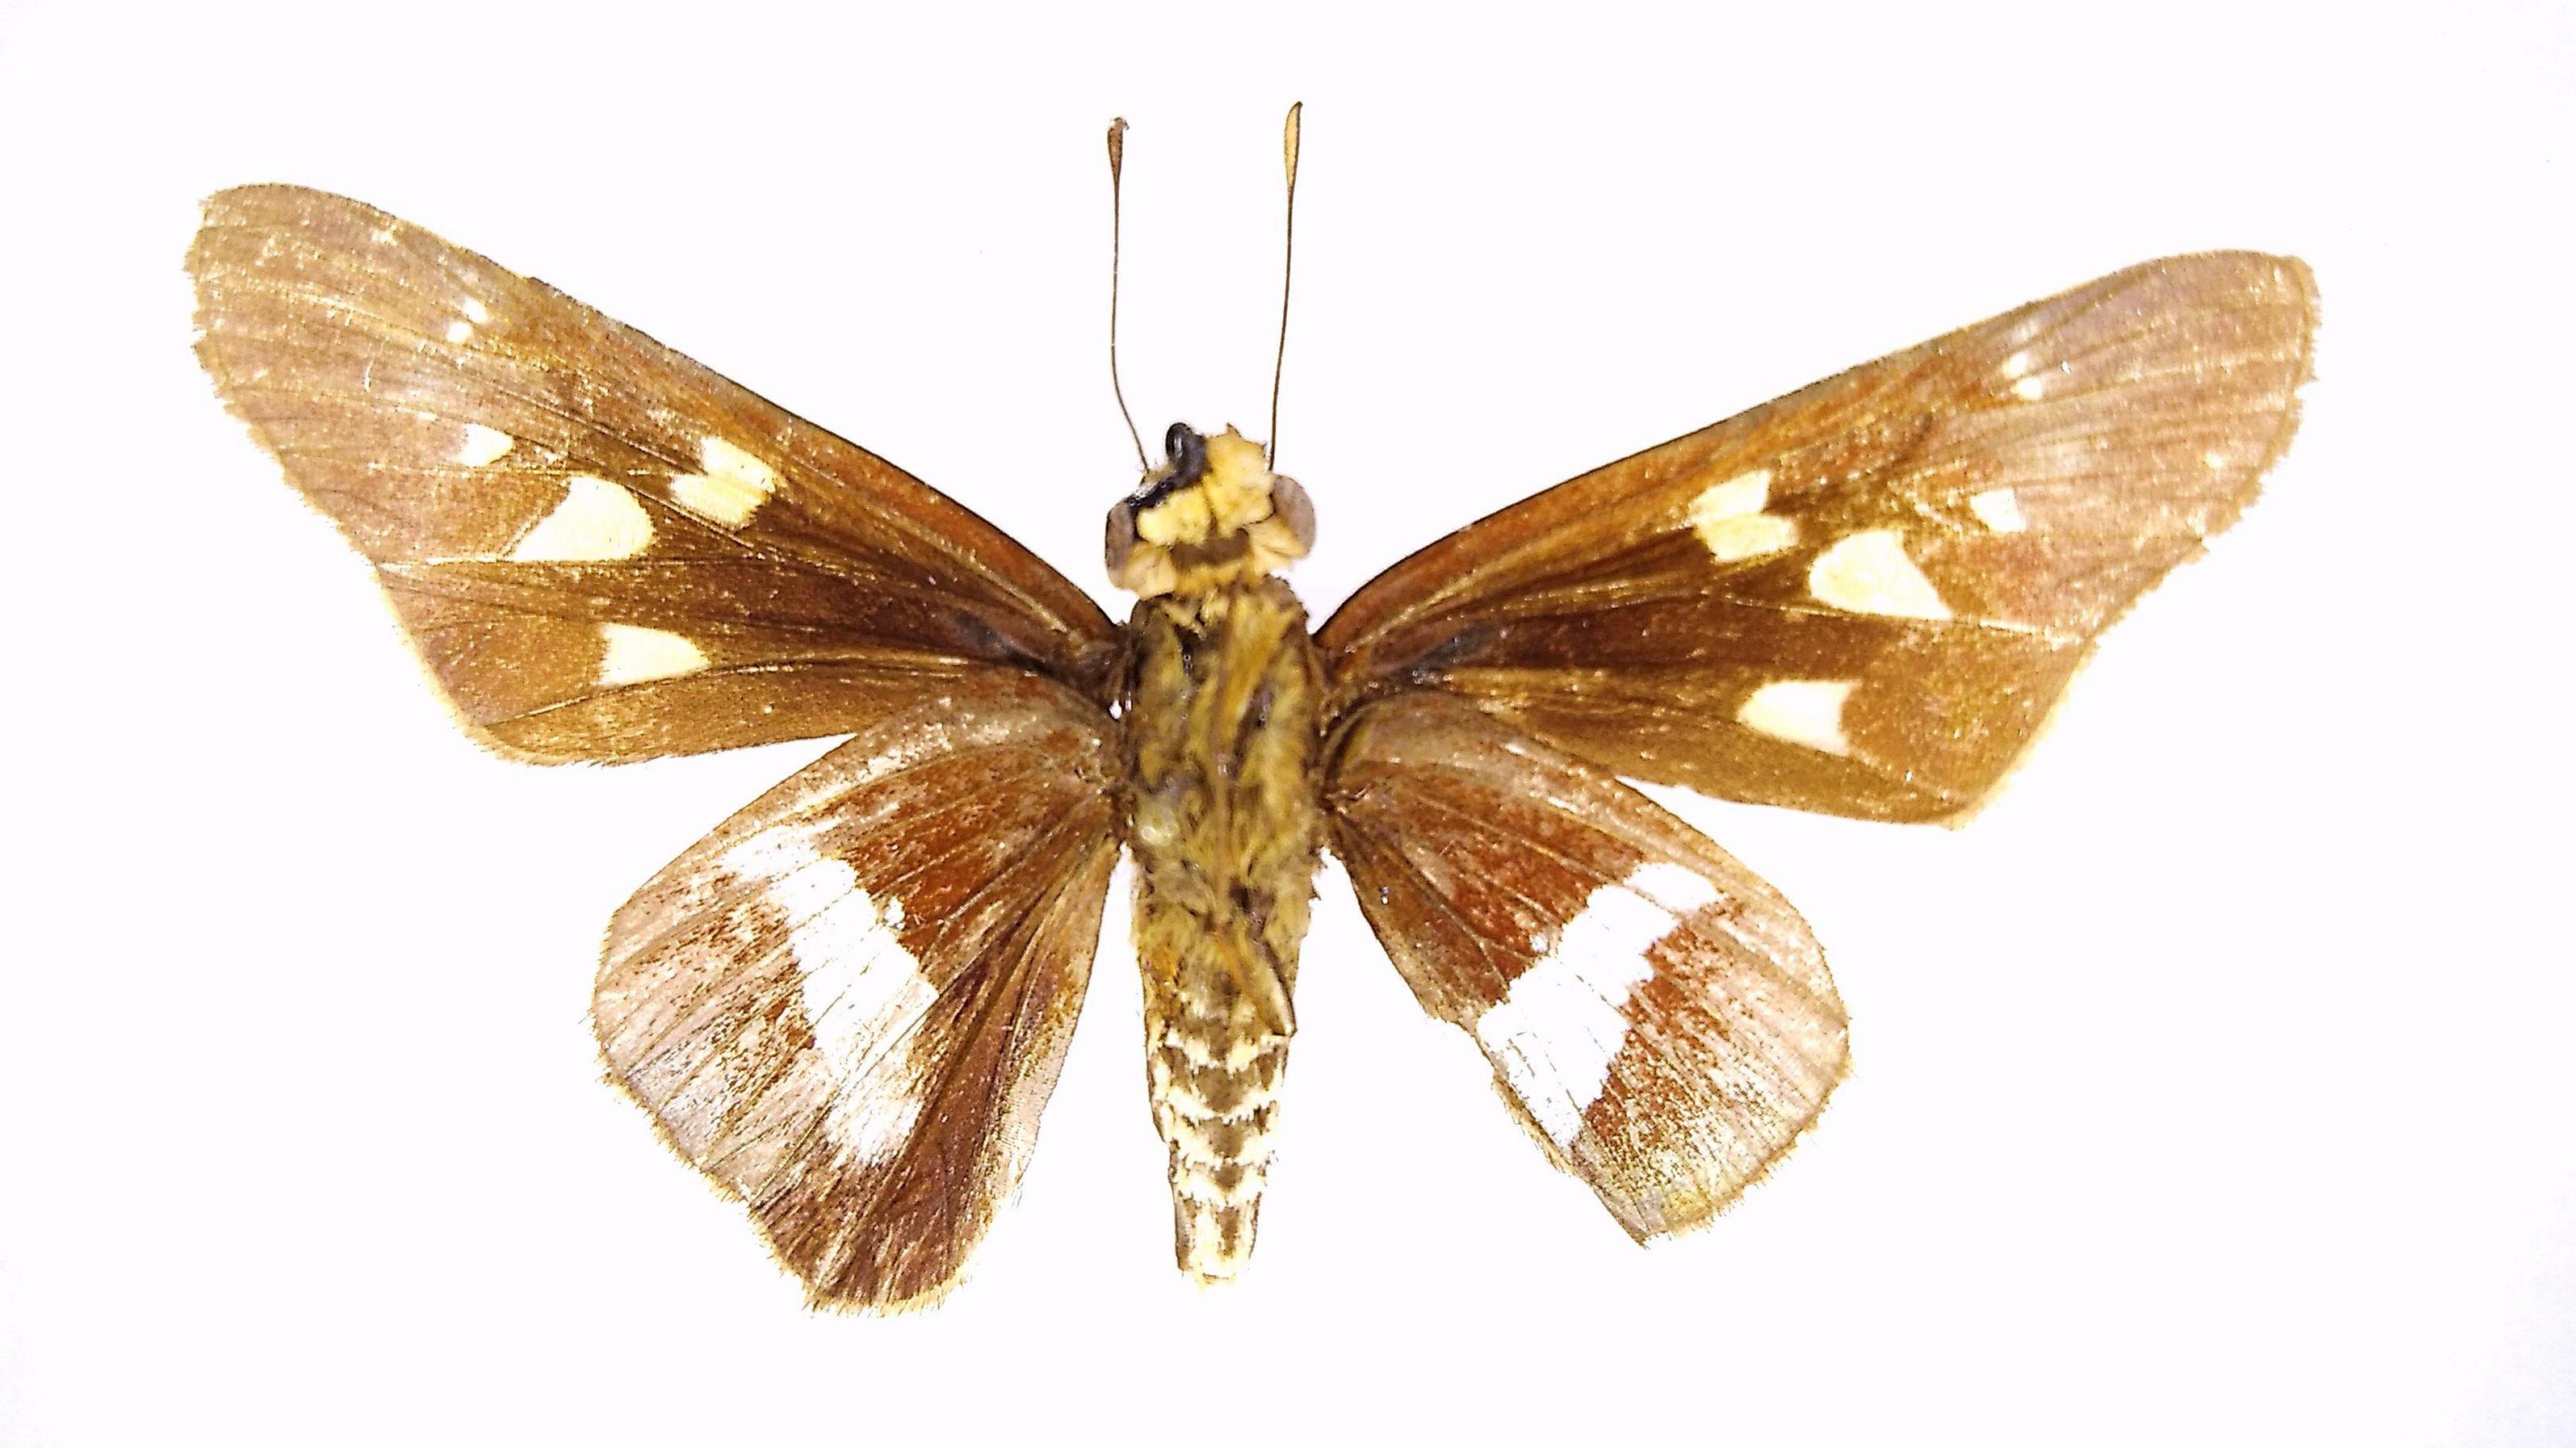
{"x":849,"y":1004}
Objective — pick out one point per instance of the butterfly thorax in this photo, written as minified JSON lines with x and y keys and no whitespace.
{"x":1222,"y":734}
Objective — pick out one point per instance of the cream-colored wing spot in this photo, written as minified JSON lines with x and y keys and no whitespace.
{"x":858,"y":986}
{"x":1869,"y":572}
{"x":638,"y":655}
{"x":730,"y":485}
{"x":475,"y":311}
{"x":460,"y":332}
{"x":483,"y":446}
{"x":597,"y":522}
{"x":1807,"y":712}
{"x":1729,"y":519}
{"x":1554,"y":1034}
{"x":1999,"y":510}
{"x":2027,"y":385}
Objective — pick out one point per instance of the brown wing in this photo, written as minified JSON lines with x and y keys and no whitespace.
{"x":849,"y":1003}
{"x":604,"y":550}
{"x":1862,"y":598}
{"x":1660,"y":1017}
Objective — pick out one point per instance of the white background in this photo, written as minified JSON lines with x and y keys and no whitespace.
{"x":2213,"y":1087}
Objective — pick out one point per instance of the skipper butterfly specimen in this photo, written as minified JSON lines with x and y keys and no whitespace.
{"x":849,"y":1004}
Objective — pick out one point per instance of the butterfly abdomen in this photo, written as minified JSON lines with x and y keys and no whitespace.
{"x":1222,"y":734}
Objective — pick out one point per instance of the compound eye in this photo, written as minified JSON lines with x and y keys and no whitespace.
{"x":1121,"y":539}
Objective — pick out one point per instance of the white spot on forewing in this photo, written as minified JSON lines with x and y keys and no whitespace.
{"x":460,"y":333}
{"x":1869,"y":572}
{"x":2027,"y":385}
{"x":1730,"y":520}
{"x":1801,"y":711}
{"x":597,"y":522}
{"x":861,"y":990}
{"x":1744,"y":493}
{"x":637,"y":655}
{"x":1999,"y":510}
{"x":730,"y":487}
{"x":476,"y":312}
{"x":1564,"y":1020}
{"x":483,"y":446}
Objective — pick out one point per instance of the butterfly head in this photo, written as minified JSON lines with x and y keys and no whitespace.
{"x":1212,"y":514}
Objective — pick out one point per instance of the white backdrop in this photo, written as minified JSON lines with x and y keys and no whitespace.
{"x":2211,"y":1087}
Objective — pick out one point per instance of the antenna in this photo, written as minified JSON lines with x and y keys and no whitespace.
{"x":1287,"y":269}
{"x":1117,"y":163}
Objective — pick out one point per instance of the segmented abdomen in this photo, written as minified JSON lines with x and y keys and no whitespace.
{"x":1221,"y":728}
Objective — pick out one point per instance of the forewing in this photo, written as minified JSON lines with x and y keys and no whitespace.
{"x":1863,"y":598}
{"x":603,"y":550}
{"x":849,"y":1003}
{"x":1660,"y":1017}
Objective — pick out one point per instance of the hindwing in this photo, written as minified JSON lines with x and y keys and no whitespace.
{"x":849,"y":1003}
{"x":1657,"y":1015}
